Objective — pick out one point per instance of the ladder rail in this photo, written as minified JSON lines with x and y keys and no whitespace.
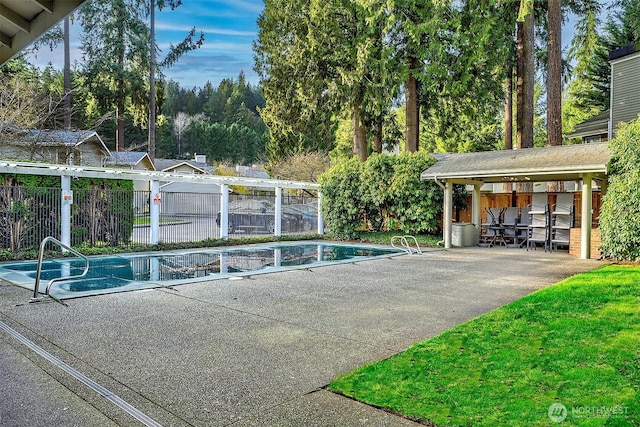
{"x":404,"y":244}
{"x":36,"y":288}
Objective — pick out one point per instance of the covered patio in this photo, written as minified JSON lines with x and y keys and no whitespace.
{"x":583,"y":163}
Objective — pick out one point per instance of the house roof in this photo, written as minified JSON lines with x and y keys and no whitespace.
{"x":561,"y":163}
{"x":127,"y":158}
{"x":22,"y":22}
{"x":596,"y":125}
{"x":58,"y":138}
{"x":169,"y":165}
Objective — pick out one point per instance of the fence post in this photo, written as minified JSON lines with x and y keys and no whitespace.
{"x":65,"y":210}
{"x":154,"y":212}
{"x":278,"y":213}
{"x":320,"y":218}
{"x":224,"y":211}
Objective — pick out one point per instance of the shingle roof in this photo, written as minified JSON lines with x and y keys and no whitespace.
{"x":169,"y":164}
{"x":567,"y":162}
{"x":597,"y":125}
{"x":125,"y":158}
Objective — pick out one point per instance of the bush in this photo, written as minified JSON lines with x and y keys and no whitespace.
{"x":383,"y":193}
{"x":620,"y":210}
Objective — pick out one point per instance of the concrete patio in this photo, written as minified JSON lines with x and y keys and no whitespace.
{"x":256,"y":351}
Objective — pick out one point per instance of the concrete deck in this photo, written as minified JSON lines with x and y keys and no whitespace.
{"x":255,"y":351}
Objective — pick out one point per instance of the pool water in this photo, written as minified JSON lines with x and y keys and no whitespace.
{"x":126,"y":272}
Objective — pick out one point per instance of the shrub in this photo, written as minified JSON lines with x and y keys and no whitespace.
{"x":383,"y":193}
{"x":620,"y":210}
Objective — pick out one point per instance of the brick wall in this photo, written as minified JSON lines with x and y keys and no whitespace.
{"x":576,"y":239}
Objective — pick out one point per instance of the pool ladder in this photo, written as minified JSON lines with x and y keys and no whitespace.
{"x":401,"y":242}
{"x":36,"y":287}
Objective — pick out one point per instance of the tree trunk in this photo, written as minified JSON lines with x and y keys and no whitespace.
{"x":120,"y":95}
{"x":152,"y":84}
{"x":554,"y":81}
{"x":508,"y":120}
{"x":67,"y":76}
{"x":412,"y":111}
{"x":359,"y":134}
{"x":508,"y":112}
{"x":525,"y":88}
{"x":377,"y":137}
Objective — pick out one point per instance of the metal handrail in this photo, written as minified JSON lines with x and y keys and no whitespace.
{"x":405,"y":244}
{"x":57,"y":279}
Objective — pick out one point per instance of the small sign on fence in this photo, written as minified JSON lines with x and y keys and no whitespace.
{"x":67,"y":197}
{"x":157,"y":199}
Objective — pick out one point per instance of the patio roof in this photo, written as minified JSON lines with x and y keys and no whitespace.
{"x":23,"y":21}
{"x":562,"y":163}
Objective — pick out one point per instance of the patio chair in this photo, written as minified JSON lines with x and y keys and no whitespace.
{"x":510,"y":219}
{"x":522,"y":227}
{"x":561,"y":220}
{"x":539,"y":229}
{"x":488,"y":231}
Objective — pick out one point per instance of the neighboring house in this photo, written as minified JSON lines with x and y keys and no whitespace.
{"x":134,"y":160}
{"x":625,"y":97}
{"x":197,"y":165}
{"x":185,"y":197}
{"x":595,"y":129}
{"x":79,"y":147}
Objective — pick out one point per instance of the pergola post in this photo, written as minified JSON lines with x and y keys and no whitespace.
{"x":65,"y":212}
{"x":585,"y":248}
{"x":320,"y":217}
{"x":154,"y":212}
{"x":476,"y":217}
{"x":278,"y":213}
{"x":448,"y":213}
{"x":224,"y":211}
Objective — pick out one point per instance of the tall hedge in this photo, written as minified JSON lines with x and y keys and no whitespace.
{"x":385,"y":192}
{"x":620,"y":210}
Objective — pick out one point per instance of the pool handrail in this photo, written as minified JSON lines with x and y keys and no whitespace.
{"x":405,"y":244}
{"x":57,"y":279}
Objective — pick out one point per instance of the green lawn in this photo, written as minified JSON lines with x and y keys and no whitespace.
{"x":576,"y":343}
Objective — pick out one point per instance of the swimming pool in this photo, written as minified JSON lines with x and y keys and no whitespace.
{"x":126,"y":272}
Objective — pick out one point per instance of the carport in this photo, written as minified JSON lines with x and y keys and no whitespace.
{"x":583,"y":163}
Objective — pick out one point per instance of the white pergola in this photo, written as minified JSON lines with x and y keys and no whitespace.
{"x":583,"y":162}
{"x":68,"y":172}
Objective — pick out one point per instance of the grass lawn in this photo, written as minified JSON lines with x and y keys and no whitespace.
{"x":576,"y":343}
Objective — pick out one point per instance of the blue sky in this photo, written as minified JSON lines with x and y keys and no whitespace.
{"x":229,"y":27}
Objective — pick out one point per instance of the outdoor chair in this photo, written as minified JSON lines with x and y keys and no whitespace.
{"x":489,"y":228}
{"x":539,"y":229}
{"x":522,"y":227}
{"x":562,"y":218}
{"x":510,"y":219}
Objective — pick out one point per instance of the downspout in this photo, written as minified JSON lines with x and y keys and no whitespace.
{"x":441,"y":185}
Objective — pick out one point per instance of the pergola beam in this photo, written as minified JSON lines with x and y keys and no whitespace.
{"x":10,"y":16}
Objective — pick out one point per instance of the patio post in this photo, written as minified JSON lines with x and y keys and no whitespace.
{"x":278,"y":213}
{"x":448,"y":213}
{"x":587,"y":214}
{"x":65,"y":212}
{"x":320,"y":218}
{"x":154,"y":212}
{"x":224,"y":211}
{"x":476,"y":217}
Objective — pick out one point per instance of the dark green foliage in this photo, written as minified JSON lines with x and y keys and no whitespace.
{"x":620,"y":210}
{"x":385,"y":192}
{"x":30,"y":209}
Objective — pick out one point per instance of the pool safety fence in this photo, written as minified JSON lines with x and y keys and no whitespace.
{"x":96,"y":217}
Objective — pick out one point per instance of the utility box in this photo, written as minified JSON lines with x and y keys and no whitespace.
{"x":463,"y":234}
